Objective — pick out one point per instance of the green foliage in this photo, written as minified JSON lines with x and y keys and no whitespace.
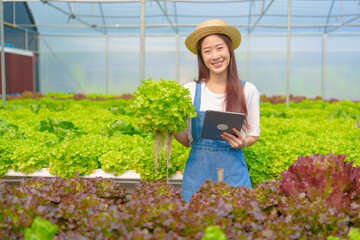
{"x":9,"y":130}
{"x":59,"y":95}
{"x":61,"y":128}
{"x":78,"y":155}
{"x":119,"y":110}
{"x":354,"y":234}
{"x":162,"y":106}
{"x":4,"y":126}
{"x":306,"y":128}
{"x":134,"y":152}
{"x":29,"y":156}
{"x":214,"y":233}
{"x":115,"y":162}
{"x":179,"y":156}
{"x":6,"y":149}
{"x":40,"y":230}
{"x":120,"y":127}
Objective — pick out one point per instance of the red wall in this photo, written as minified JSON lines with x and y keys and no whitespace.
{"x":19,"y":70}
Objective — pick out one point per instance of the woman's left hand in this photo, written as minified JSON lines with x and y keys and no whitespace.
{"x":237,"y":141}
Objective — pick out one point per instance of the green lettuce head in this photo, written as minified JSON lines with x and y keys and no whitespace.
{"x":162,"y":106}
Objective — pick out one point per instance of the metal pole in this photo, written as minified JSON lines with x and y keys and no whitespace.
{"x":14,"y":13}
{"x":36,"y":64}
{"x":142,"y":39}
{"x":177,"y":58}
{"x":248,"y":58}
{"x":3,"y":79}
{"x":26,"y":40}
{"x":323,"y":66}
{"x":107,"y":62}
{"x":288,"y":55}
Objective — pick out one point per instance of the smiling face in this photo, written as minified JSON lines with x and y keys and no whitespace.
{"x":215,"y":54}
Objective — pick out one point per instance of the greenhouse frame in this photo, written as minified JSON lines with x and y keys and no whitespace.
{"x":299,"y":47}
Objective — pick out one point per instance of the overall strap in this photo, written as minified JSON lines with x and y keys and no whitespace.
{"x":243,"y":83}
{"x":197,"y":101}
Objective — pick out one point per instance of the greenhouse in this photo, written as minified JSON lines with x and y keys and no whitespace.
{"x":99,"y":125}
{"x":92,"y":47}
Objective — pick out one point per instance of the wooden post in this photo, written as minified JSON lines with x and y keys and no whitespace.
{"x":220,"y":174}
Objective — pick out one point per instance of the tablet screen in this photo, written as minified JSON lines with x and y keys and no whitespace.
{"x":216,"y":122}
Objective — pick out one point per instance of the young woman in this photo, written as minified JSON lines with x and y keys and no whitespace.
{"x":218,"y":88}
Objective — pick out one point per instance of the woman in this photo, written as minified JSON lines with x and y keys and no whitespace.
{"x":218,"y":88}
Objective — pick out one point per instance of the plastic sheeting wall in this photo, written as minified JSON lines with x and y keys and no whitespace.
{"x":78,"y":64}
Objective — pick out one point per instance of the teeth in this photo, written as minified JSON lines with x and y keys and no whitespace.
{"x":217,"y":64}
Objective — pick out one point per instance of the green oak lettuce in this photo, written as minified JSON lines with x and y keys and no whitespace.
{"x":78,"y":155}
{"x":40,"y":230}
{"x":162,"y":108}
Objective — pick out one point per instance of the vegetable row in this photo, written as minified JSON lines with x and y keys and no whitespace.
{"x":79,"y":136}
{"x":316,"y":198}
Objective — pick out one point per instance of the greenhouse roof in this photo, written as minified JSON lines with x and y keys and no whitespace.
{"x":182,"y":16}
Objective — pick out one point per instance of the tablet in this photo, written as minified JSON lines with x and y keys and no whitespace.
{"x":216,"y":122}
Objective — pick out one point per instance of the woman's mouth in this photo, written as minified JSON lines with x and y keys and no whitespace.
{"x":217,"y":64}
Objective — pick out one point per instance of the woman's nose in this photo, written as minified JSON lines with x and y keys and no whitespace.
{"x":215,"y":55}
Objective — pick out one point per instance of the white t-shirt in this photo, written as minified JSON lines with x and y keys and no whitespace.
{"x":214,"y":101}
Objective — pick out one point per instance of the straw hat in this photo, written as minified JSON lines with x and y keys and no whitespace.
{"x":209,"y":27}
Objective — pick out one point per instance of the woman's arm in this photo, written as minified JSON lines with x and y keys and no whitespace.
{"x":250,"y":140}
{"x":182,"y":138}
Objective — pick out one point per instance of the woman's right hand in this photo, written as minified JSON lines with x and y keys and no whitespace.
{"x":239,"y":141}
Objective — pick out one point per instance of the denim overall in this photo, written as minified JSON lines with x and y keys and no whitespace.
{"x":207,"y":155}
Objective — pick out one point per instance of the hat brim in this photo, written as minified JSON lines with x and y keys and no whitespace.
{"x":192,"y":40}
